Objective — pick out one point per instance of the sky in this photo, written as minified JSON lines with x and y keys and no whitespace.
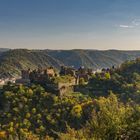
{"x":70,"y":24}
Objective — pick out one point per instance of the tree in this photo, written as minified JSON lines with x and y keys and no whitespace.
{"x":81,"y":81}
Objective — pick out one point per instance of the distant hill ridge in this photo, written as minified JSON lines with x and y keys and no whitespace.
{"x":13,"y":61}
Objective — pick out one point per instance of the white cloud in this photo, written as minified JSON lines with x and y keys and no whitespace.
{"x":136,"y":22}
{"x":132,"y":24}
{"x":125,"y":26}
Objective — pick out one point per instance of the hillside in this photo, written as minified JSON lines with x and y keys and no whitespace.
{"x":110,"y":110}
{"x":13,"y":61}
{"x":93,"y":58}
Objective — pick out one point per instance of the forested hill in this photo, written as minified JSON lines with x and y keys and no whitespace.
{"x":93,"y":58}
{"x":12,"y":61}
{"x":107,"y":109}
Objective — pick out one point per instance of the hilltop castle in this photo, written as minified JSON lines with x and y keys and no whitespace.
{"x":60,"y":83}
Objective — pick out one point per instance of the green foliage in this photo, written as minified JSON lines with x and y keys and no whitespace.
{"x":31,"y":109}
{"x":123,"y":81}
{"x":111,"y":113}
{"x":76,"y":111}
{"x":63,"y":79}
{"x":81,"y":81}
{"x":43,"y":115}
{"x":107,"y":75}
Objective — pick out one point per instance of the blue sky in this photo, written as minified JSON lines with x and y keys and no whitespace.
{"x":70,"y":24}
